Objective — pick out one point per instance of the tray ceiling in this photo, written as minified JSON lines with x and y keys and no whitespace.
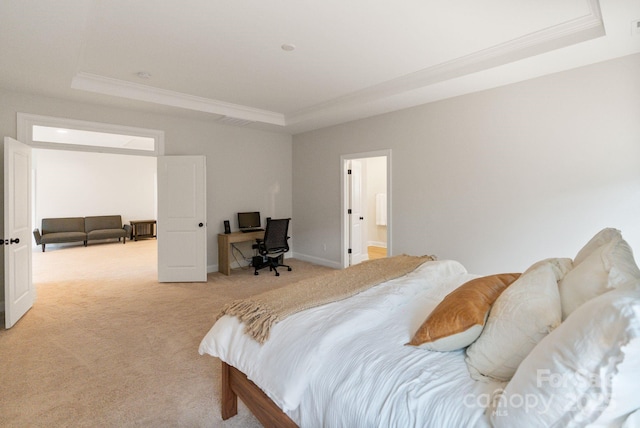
{"x":343,"y":60}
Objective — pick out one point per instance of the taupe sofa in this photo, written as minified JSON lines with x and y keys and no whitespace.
{"x":80,"y":229}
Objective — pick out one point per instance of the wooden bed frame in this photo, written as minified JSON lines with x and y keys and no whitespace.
{"x":236,"y":384}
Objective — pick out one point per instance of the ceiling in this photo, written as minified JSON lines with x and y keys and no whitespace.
{"x":224,"y":61}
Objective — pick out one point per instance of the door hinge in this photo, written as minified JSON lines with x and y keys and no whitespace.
{"x":349,"y":211}
{"x":349,"y":251}
{"x":349,"y":172}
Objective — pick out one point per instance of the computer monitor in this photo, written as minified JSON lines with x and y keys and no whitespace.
{"x":249,"y":220}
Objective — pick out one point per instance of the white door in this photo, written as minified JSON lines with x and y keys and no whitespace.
{"x":356,"y":226}
{"x":182,"y":219}
{"x":19,"y":293}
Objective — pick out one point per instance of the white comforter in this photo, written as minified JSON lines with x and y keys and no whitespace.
{"x":345,"y":363}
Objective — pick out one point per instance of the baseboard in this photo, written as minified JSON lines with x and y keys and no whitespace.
{"x":318,"y":261}
{"x":377,"y":244}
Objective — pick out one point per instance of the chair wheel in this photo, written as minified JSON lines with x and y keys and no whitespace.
{"x":255,"y":273}
{"x":289,"y":269}
{"x":277,"y":273}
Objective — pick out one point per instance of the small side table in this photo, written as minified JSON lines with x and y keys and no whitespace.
{"x":143,"y":229}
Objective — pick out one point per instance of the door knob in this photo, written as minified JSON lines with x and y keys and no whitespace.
{"x":200,"y":224}
{"x":361,"y":218}
{"x":14,"y":241}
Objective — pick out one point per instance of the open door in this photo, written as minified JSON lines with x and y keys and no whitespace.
{"x":357,"y":231}
{"x":19,"y":293}
{"x":182,"y":219}
{"x":362,"y":178}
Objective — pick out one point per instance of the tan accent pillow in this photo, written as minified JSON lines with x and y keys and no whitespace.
{"x":459,"y":319}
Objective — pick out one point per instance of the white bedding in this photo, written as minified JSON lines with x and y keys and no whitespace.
{"x":345,"y":363}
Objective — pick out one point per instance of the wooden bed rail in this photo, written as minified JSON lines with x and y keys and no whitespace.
{"x":236,"y":384}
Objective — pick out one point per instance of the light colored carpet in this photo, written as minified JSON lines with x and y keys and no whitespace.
{"x":107,"y":345}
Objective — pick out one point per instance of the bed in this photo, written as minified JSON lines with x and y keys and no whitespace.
{"x":439,"y":346}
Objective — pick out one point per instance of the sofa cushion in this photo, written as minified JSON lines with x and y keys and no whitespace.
{"x":66,"y":224}
{"x":106,"y":234}
{"x":102,"y":222}
{"x":59,"y":237}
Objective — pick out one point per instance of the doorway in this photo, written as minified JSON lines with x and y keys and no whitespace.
{"x":366,"y":206}
{"x":85,"y":168}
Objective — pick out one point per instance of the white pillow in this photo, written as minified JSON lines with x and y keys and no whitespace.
{"x":520,"y":317}
{"x":586,"y":371}
{"x":633,"y":420}
{"x":607,"y":267}
{"x":560,"y":266}
{"x":599,"y":239}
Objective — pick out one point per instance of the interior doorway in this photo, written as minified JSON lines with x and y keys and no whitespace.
{"x":366,"y":206}
{"x":85,"y":168}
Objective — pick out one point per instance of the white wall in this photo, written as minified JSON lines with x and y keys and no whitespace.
{"x":80,"y":184}
{"x":496,"y":179}
{"x":247,"y":169}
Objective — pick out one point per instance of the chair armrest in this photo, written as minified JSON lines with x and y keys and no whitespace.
{"x":259,"y":245}
{"x":37,"y":236}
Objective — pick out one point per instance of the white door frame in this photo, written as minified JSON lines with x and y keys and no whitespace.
{"x":344,"y":197}
{"x":25,"y":123}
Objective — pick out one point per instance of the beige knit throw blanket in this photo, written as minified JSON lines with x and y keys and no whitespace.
{"x":262,"y":311}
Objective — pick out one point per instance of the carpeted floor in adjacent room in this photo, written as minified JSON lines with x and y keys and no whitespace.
{"x":106,"y":345}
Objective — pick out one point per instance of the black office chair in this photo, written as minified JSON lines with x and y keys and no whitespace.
{"x":273,"y":246}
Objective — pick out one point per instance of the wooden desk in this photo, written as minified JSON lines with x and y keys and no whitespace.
{"x":224,"y":247}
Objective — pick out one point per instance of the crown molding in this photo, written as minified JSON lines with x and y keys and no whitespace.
{"x":561,"y":35}
{"x":120,"y":88}
{"x":359,"y":103}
